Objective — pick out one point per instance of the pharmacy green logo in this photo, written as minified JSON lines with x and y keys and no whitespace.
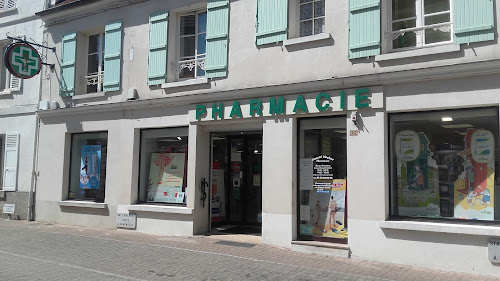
{"x":22,"y":60}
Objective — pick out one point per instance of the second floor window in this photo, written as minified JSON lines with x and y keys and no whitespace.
{"x":312,"y":17}
{"x":95,"y":63}
{"x":192,"y":44}
{"x":417,"y":23}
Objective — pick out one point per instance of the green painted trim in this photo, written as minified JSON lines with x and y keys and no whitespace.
{"x":364,"y":7}
{"x":279,"y":30}
{"x":365,"y":45}
{"x":472,"y":29}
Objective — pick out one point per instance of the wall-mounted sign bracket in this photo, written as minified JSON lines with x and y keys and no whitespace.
{"x":19,"y":40}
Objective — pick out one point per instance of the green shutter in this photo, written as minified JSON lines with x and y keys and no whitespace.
{"x":157,"y":57}
{"x":68,"y":59}
{"x":112,"y":56}
{"x":272,"y":21}
{"x":473,"y":21}
{"x":217,"y":34}
{"x":364,"y":28}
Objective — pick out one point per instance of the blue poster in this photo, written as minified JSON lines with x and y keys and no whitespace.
{"x":90,"y":167}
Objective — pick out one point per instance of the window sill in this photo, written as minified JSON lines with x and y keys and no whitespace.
{"x":185,"y":83}
{"x":160,"y":209}
{"x":322,"y":244}
{"x":8,"y":11}
{"x":418,"y":52}
{"x":307,"y":39}
{"x":89,"y":96}
{"x":82,"y":204}
{"x":441,"y":227}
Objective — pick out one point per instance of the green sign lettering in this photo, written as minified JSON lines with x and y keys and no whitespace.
{"x":255,"y":107}
{"x":342,"y":99}
{"x":236,"y":110}
{"x":277,"y":107}
{"x":319,"y":100}
{"x":218,"y":110}
{"x":300,"y":103}
{"x":362,"y":100}
{"x":200,"y":111}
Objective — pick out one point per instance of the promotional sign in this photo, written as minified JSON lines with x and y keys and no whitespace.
{"x":418,"y":177}
{"x":166,"y":176}
{"x":322,"y":173}
{"x":218,"y":192}
{"x":474,"y":188}
{"x":22,"y":60}
{"x":90,"y":167}
{"x":328,"y":210}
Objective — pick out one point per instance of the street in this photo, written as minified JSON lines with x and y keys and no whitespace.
{"x":38,"y":251}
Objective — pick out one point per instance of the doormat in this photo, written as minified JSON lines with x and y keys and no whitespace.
{"x":236,"y":244}
{"x":241,"y":230}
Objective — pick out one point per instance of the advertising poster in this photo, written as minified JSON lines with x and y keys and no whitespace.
{"x":166,"y":176}
{"x":328,"y":210}
{"x":218,"y":205}
{"x":322,"y":172}
{"x":90,"y":167}
{"x":474,"y":188}
{"x":417,"y":176}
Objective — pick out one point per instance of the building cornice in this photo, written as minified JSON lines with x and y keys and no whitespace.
{"x":334,"y":83}
{"x":81,"y":9}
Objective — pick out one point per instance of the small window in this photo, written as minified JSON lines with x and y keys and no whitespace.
{"x":312,"y":17}
{"x":419,"y":23}
{"x":163,"y":166}
{"x":444,"y":164}
{"x":95,"y":63}
{"x":192,"y":44}
{"x":88,"y":166}
{"x":8,"y":82}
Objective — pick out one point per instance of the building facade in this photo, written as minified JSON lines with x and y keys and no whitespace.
{"x":359,"y":128}
{"x":18,"y":105}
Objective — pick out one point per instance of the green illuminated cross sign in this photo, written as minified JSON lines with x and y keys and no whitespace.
{"x":23,"y":60}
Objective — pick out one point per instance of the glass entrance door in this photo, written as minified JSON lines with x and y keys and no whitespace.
{"x":236,"y":192}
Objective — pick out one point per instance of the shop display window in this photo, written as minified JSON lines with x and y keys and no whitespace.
{"x":88,"y":166}
{"x":444,"y":164}
{"x":322,"y":185}
{"x":163,"y":166}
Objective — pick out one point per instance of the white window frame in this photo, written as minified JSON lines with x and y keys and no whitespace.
{"x":11,"y":83}
{"x":199,"y":59}
{"x":299,"y":21}
{"x":420,"y":28}
{"x":4,"y":5}
{"x":95,"y":78}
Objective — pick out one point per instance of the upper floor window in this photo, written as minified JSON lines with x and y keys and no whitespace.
{"x":7,"y":5}
{"x":312,"y":17}
{"x":95,"y":63}
{"x":192,"y":44}
{"x":418,"y":23}
{"x":8,"y":82}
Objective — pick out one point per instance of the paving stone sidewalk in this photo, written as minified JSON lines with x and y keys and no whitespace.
{"x":38,"y":251}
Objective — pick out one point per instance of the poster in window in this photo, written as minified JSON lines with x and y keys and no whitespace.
{"x":327,"y":210}
{"x":417,"y":176}
{"x":90,"y":168}
{"x":218,"y":200}
{"x":474,"y":188}
{"x":166,"y":176}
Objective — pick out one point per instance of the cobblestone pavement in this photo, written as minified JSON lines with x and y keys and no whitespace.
{"x":37,"y":251}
